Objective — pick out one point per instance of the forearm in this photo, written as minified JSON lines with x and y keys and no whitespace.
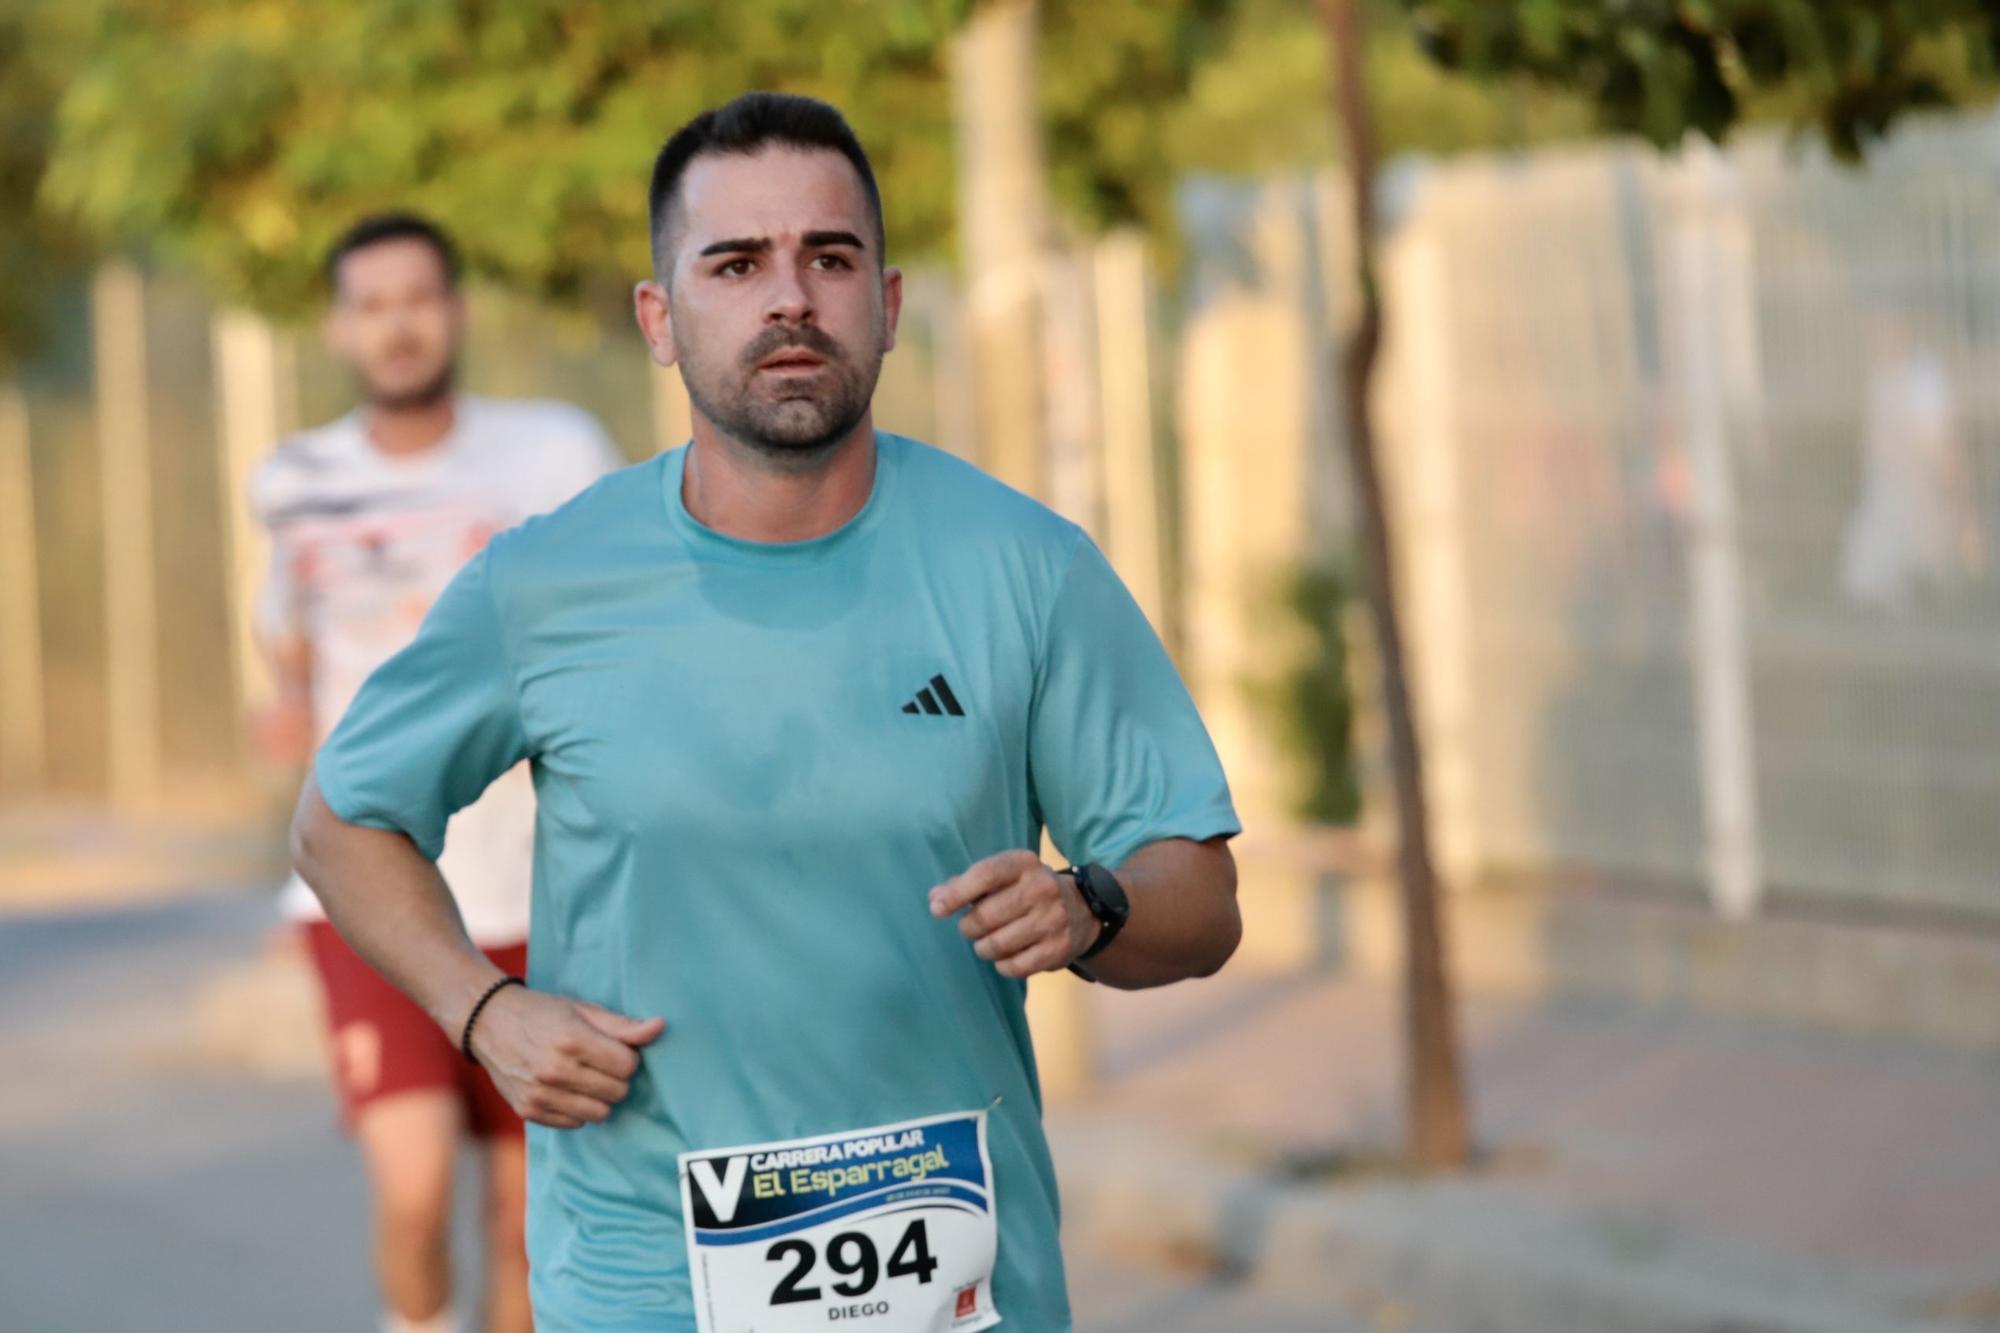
{"x":1184,"y":919}
{"x":389,"y":902}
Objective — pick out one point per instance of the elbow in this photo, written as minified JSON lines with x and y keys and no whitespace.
{"x":298,"y":842}
{"x":1227,"y":932}
{"x":306,"y":839}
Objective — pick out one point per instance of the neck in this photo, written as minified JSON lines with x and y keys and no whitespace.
{"x":735,"y":489}
{"x":411,"y":428}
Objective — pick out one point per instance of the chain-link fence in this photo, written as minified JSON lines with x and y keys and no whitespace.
{"x":1714,"y":441}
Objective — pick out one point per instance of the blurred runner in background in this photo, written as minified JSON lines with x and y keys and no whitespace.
{"x":370,"y":516}
{"x":1915,"y":529}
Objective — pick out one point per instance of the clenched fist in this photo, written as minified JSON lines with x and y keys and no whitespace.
{"x":559,"y":1062}
{"x":1024,"y":917}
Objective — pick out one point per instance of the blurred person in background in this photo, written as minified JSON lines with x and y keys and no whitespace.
{"x":370,"y":516}
{"x":801,"y":697}
{"x":1916,"y":524}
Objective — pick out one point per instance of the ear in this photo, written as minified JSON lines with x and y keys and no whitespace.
{"x":655,"y":314}
{"x":892,"y":306}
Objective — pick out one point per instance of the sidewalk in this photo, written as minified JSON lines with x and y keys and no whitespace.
{"x":63,"y":858}
{"x":1638,"y":1173}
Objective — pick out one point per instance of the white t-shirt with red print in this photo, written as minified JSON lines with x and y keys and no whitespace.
{"x":362,"y":542}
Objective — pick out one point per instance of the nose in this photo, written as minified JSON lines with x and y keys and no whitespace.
{"x":789,"y":301}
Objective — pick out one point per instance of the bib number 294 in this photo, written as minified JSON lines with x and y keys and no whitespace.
{"x":852,"y":1255}
{"x":889,"y":1229}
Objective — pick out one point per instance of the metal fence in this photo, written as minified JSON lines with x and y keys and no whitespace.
{"x":1697,"y":462}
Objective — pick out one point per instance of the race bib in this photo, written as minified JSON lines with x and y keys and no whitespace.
{"x":889,"y":1229}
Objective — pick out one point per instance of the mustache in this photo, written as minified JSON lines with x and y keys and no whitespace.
{"x":779,"y":339}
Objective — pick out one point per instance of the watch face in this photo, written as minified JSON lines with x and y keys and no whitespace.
{"x":1103,"y":893}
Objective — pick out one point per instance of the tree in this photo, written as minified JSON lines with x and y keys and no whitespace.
{"x":35,"y":254}
{"x":1665,"y":68}
{"x":1108,"y":73}
{"x":236,"y":138}
{"x":1439,"y":1134}
{"x":1256,"y":101}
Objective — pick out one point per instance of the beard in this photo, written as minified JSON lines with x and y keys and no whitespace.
{"x":402,"y":398}
{"x":792,"y":424}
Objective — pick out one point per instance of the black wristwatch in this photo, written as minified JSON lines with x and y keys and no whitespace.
{"x":1104,"y":898}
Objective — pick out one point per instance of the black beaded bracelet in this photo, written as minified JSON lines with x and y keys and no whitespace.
{"x":465,"y":1037}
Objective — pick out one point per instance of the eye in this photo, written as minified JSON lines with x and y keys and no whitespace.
{"x":735,"y":268}
{"x":835,"y":262}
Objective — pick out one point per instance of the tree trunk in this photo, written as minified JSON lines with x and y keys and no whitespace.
{"x":1437,"y":1125}
{"x":1003,"y":228}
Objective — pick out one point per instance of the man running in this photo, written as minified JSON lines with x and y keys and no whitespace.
{"x":370,"y":516}
{"x":800,"y":698}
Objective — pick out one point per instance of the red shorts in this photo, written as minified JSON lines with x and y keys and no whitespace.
{"x":382,"y":1043}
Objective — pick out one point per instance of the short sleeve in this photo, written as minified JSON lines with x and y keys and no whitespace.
{"x":1118,"y":756}
{"x":433,"y":725}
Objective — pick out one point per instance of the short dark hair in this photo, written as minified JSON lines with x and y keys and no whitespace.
{"x":380,"y":227}
{"x":745,"y":125}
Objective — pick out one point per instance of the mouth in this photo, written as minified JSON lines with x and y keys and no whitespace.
{"x":792,"y":361}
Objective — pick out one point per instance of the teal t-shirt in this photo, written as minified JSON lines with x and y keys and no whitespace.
{"x":752,"y":761}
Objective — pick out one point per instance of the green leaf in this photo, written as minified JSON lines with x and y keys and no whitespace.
{"x":1853,"y":68}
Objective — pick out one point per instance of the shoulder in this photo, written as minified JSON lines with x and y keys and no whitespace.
{"x":1000,"y":549}
{"x":303,"y":470}
{"x":618,"y":506}
{"x":957,"y":502}
{"x":541,"y":420}
{"x":556,"y":562}
{"x":539,"y":427}
{"x":550,"y":449}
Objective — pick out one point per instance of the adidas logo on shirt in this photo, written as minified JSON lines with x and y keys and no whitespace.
{"x":935,"y":698}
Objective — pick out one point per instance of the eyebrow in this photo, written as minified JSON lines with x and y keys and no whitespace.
{"x":740,"y":246}
{"x":817,"y":239}
{"x":758,"y":245}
